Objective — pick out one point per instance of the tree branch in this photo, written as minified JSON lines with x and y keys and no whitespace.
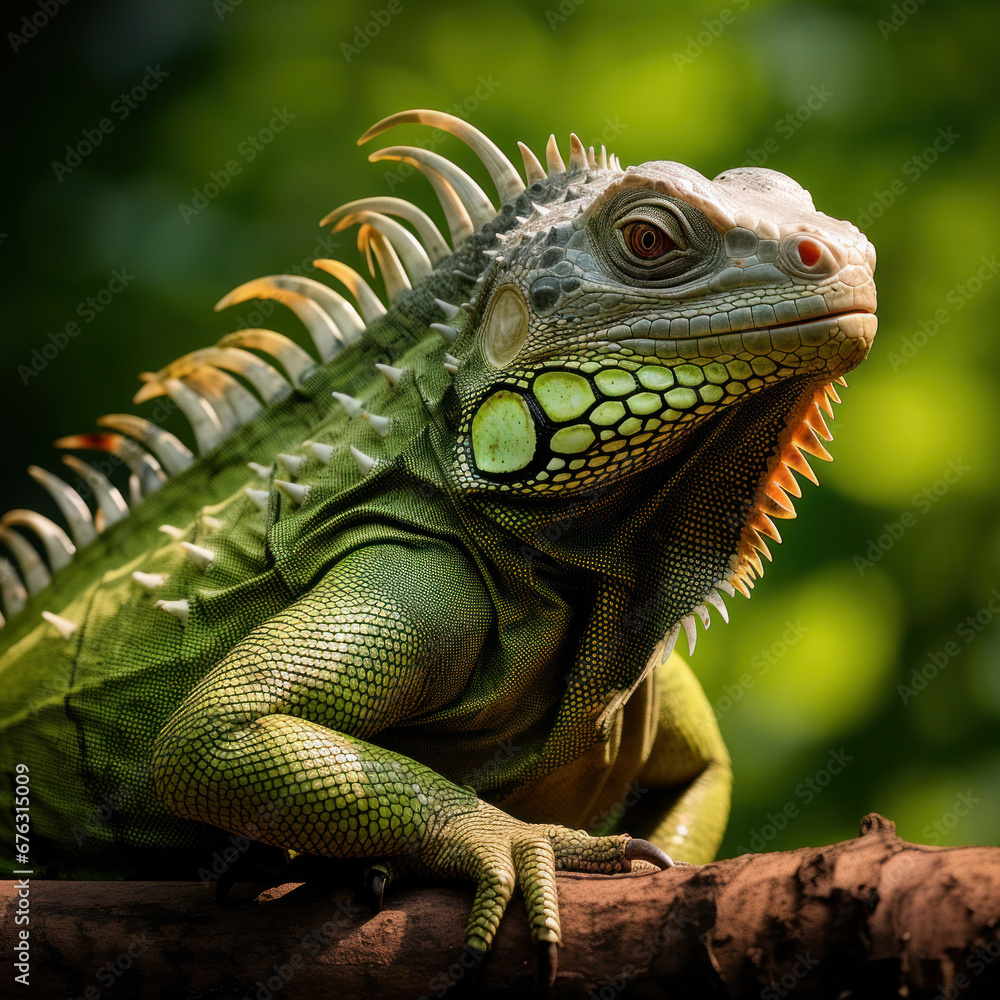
{"x":871,"y":917}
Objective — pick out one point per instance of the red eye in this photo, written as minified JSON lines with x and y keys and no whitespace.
{"x":809,"y":252}
{"x":647,"y":241}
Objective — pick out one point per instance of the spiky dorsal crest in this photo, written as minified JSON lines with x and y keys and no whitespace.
{"x":202,"y":385}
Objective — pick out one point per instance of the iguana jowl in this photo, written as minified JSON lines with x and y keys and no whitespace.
{"x":433,"y":623}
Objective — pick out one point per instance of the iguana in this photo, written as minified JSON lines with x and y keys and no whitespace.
{"x":415,"y":602}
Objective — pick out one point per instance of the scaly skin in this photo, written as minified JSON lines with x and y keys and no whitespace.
{"x":458,"y":659}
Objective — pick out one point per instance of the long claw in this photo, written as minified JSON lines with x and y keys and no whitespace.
{"x":472,"y":959}
{"x":376,"y":879}
{"x":548,"y":964}
{"x":643,"y":850}
{"x":224,"y":886}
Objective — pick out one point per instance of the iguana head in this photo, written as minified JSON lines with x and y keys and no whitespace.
{"x":632,"y":308}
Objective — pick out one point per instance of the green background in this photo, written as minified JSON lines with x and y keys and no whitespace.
{"x":709,"y":84}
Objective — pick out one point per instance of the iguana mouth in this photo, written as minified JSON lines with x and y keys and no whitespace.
{"x":762,"y":328}
{"x":854,"y":325}
{"x":814,"y":320}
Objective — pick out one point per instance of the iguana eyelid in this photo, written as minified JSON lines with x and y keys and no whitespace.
{"x":679,"y":240}
{"x":654,"y":214}
{"x":678,"y":232}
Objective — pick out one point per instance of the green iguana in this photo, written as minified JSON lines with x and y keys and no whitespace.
{"x":431,"y":625}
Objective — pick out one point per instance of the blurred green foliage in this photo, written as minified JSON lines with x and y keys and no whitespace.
{"x":884,"y":564}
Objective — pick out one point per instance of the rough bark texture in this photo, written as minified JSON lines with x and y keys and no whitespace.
{"x":871,"y":917}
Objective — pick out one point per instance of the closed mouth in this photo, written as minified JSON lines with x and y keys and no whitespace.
{"x":813,"y":332}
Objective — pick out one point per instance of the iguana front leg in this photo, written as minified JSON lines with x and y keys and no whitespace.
{"x":275,"y":742}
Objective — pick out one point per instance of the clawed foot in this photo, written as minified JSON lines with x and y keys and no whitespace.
{"x":502,"y":854}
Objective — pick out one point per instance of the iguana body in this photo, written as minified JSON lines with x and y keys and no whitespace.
{"x":433,"y":623}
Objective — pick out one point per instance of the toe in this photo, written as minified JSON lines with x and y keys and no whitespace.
{"x":496,"y":886}
{"x":535,"y":863}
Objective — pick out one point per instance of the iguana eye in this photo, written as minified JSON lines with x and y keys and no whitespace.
{"x":647,"y":238}
{"x":647,"y":241}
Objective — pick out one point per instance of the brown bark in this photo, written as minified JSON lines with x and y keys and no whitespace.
{"x":871,"y":917}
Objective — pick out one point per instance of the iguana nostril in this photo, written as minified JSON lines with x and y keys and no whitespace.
{"x":810,"y":252}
